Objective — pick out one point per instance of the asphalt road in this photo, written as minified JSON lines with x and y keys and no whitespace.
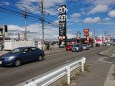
{"x":10,"y":76}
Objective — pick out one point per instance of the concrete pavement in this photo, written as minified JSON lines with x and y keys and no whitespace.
{"x":110,"y":80}
{"x":101,"y":73}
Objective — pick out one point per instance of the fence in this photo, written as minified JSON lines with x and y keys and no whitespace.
{"x":11,"y":44}
{"x":49,"y":78}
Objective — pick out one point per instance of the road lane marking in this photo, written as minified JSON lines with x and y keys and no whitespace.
{"x":67,"y":61}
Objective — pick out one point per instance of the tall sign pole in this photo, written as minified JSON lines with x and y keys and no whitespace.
{"x":62,"y":26}
{"x":86,"y":34}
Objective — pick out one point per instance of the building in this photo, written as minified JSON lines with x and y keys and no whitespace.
{"x":3,"y":32}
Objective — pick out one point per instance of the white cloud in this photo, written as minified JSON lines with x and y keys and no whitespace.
{"x":107,"y":19}
{"x":112,"y":13}
{"x":92,"y":20}
{"x":15,"y":27}
{"x":33,"y":31}
{"x":34,"y":28}
{"x":99,"y":9}
{"x":106,"y":2}
{"x":71,"y":35}
{"x":75,"y":15}
{"x":6,"y":3}
{"x":52,"y":3}
{"x":107,"y":23}
{"x":49,"y":5}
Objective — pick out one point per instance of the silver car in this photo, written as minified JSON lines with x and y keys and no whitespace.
{"x":85,"y":46}
{"x":77,"y":47}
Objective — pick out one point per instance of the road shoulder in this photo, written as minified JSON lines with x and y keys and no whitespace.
{"x":110,"y":80}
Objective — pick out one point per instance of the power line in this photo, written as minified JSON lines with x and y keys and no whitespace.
{"x":18,"y":13}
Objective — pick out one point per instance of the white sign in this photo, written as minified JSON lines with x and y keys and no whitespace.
{"x":62,"y":9}
{"x":62,"y":17}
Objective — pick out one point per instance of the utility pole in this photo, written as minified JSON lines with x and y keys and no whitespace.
{"x":3,"y":33}
{"x":42,"y":12}
{"x":19,"y":36}
{"x":25,"y":14}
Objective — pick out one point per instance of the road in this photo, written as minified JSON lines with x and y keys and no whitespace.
{"x":10,"y":76}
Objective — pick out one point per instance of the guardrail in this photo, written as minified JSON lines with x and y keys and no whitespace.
{"x":52,"y":76}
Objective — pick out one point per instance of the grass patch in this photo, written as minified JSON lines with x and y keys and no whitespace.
{"x":87,"y":67}
{"x":64,"y":83}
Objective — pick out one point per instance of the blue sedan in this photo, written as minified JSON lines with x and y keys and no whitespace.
{"x":22,"y":55}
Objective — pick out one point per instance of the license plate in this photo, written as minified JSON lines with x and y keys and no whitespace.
{"x":0,"y":62}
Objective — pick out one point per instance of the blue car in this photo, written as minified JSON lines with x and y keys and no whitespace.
{"x":22,"y":55}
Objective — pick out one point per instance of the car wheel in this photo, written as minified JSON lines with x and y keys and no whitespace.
{"x":40,"y":58}
{"x":17,"y":63}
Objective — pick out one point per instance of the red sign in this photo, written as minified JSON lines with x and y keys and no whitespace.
{"x":86,"y":32}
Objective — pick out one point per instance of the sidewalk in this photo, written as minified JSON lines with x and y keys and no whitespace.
{"x":110,"y":80}
{"x":101,"y":73}
{"x":3,"y":52}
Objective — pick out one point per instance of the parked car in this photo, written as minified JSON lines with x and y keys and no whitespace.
{"x":86,"y":47}
{"x":77,"y":47}
{"x":98,"y":45}
{"x":104,"y":43}
{"x":22,"y":55}
{"x":90,"y":45}
{"x":68,"y":48}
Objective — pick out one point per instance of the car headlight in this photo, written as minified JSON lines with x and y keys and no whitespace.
{"x":11,"y":57}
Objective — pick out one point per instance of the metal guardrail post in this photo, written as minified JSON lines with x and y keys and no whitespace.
{"x":82,"y":63}
{"x":68,"y":74}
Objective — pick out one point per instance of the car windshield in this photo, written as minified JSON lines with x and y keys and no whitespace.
{"x":16,"y":50}
{"x":76,"y":45}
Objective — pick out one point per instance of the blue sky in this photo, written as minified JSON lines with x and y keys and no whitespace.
{"x":93,"y":14}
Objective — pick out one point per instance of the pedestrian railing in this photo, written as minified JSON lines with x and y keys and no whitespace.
{"x":50,"y":77}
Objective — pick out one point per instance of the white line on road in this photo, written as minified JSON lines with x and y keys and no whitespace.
{"x":67,"y":61}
